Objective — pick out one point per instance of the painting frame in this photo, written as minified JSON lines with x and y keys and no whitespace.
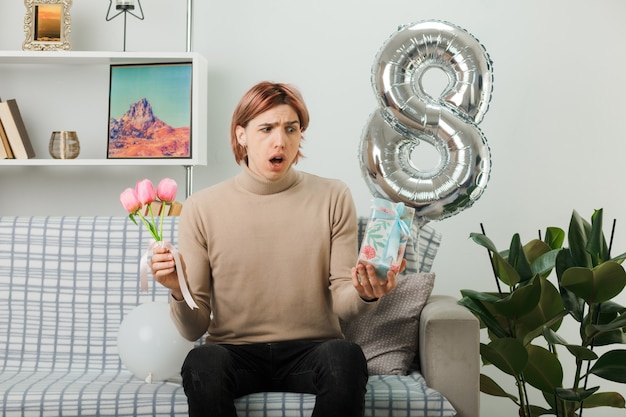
{"x":47,"y":25}
{"x":150,"y":111}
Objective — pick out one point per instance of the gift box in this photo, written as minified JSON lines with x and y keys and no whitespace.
{"x":386,"y":236}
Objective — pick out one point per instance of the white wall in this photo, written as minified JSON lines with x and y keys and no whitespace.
{"x":554,"y":125}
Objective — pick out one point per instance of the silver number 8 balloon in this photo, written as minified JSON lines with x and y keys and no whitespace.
{"x":408,"y":115}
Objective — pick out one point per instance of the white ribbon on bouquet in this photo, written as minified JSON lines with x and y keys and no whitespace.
{"x":179,"y":271}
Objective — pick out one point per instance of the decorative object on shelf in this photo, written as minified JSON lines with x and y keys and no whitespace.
{"x":189,"y":40}
{"x":158,"y":125}
{"x":64,"y":144}
{"x":47,"y":25}
{"x":124,"y":7}
{"x":15,"y":130}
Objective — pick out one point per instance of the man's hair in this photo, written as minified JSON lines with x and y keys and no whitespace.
{"x":259,"y":99}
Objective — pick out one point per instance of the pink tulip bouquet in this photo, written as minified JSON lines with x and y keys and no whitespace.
{"x":133,"y":199}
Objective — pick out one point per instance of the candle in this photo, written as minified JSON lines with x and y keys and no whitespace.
{"x":124,"y":4}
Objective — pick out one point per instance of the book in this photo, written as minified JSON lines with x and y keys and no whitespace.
{"x":3,"y":152}
{"x":15,"y":130}
{"x":167,"y":209}
{"x":5,"y":147}
{"x":176,"y":208}
{"x":156,"y":208}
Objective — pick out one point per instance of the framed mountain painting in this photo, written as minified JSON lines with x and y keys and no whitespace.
{"x":150,"y":111}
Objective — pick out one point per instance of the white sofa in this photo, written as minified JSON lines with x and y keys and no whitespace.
{"x":66,"y":283}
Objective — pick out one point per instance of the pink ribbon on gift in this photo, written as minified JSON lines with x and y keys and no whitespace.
{"x":397,"y":229}
{"x":143,"y":282}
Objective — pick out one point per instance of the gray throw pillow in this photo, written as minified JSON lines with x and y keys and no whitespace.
{"x":388,"y":334}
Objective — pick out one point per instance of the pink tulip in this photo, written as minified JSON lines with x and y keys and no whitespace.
{"x":130,"y":201}
{"x":166,"y":191}
{"x":145,"y":191}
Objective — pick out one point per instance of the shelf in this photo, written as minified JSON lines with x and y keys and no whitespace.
{"x":38,"y":78}
{"x":95,"y":162}
{"x":92,"y":57}
{"x":59,"y":74}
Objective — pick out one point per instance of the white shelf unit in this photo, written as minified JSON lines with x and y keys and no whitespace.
{"x":82,"y":78}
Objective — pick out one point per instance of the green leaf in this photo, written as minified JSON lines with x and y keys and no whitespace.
{"x":484,"y":241}
{"x":611,"y":309}
{"x":491,"y":387}
{"x":618,"y":323}
{"x":521,"y":301}
{"x":580,"y":352}
{"x":507,"y":354}
{"x":610,"y":338}
{"x":480,"y":296}
{"x":543,"y":371}
{"x":619,"y":258}
{"x":552,"y":323}
{"x":543,"y":264}
{"x":577,"y":234}
{"x":505,"y":271}
{"x":605,"y":399}
{"x":551,"y":399}
{"x":553,"y":338}
{"x":536,"y":411}
{"x":611,"y":365}
{"x":555,"y":237}
{"x":596,"y":244}
{"x":569,"y":394}
{"x":564,"y":261}
{"x":548,"y":312}
{"x":534,"y":249}
{"x":472,"y":303}
{"x":596,"y":285}
{"x":517,"y":259}
{"x":575,"y":305}
{"x":609,"y":325}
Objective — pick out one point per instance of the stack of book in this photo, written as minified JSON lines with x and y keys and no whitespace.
{"x":167,"y":209}
{"x":14,"y":140}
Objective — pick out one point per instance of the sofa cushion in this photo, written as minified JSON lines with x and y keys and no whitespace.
{"x":387,"y":395}
{"x":67,"y":283}
{"x":388,"y":334}
{"x":89,"y":393}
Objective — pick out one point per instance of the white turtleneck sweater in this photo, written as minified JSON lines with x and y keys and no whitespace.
{"x":269,"y":261}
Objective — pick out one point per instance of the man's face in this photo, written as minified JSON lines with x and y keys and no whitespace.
{"x":272,"y":140}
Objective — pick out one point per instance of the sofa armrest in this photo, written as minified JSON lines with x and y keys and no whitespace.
{"x":449,"y":353}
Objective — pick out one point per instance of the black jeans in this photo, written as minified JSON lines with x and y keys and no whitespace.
{"x":335,"y":371}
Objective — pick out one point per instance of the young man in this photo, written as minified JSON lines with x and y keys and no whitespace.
{"x":269,"y":258}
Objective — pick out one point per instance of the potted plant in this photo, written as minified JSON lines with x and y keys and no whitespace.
{"x":522,"y":319}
